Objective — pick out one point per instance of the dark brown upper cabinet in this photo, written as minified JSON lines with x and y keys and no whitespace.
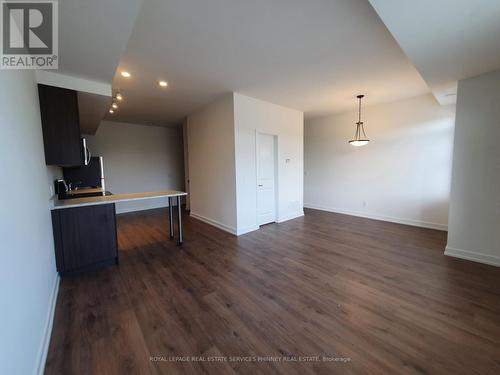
{"x":60,"y":126}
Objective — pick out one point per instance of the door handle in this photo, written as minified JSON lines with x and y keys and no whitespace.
{"x":86,"y":152}
{"x":89,"y":155}
{"x":260,"y":185}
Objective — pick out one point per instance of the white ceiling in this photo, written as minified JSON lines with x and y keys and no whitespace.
{"x":447,"y":40}
{"x":311,"y":55}
{"x":93,"y":35}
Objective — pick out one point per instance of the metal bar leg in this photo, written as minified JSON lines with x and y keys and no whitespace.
{"x":179,"y":216}
{"x":170,"y":217}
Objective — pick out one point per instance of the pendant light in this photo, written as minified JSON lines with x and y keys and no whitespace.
{"x":360,"y":138}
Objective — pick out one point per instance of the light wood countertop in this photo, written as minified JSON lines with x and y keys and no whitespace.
{"x":90,"y":201}
{"x":85,"y":191}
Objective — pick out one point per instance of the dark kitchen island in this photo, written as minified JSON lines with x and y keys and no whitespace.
{"x":85,"y":228}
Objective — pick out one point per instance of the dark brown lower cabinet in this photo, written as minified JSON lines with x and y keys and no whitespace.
{"x":85,"y":237}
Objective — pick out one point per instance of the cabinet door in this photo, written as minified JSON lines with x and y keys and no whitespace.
{"x":60,"y":126}
{"x":88,"y":235}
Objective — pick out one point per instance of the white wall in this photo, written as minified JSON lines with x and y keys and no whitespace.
{"x":475,"y":205}
{"x":212,"y":181}
{"x":28,"y":278}
{"x":252,"y":116}
{"x":402,"y":175}
{"x":139,"y":158}
{"x":186,"y":163}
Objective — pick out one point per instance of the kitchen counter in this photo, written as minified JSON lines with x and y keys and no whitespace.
{"x":90,"y":201}
{"x":85,"y":236}
{"x":85,"y":191}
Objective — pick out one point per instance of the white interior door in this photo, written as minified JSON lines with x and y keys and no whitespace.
{"x":266,"y":194}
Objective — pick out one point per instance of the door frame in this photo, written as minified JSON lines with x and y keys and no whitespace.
{"x":276,"y":178}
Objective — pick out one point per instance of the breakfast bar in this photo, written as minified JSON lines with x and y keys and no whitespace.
{"x":85,"y":226}
{"x":115,"y":198}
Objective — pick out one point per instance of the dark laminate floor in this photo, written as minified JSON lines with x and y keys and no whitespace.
{"x":385,"y":297}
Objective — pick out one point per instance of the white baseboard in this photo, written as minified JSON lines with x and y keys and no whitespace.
{"x":291,"y":217}
{"x":415,"y":223}
{"x":474,"y":256}
{"x":214,"y":223}
{"x":47,"y":332}
{"x":143,"y":205}
{"x":241,"y":231}
{"x":124,"y":207}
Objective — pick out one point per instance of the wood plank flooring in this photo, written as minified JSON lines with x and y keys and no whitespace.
{"x":371,"y":297}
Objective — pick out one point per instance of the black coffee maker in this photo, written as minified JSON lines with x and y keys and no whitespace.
{"x":61,"y":188}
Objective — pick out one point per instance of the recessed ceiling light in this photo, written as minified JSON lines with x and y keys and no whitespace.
{"x":114,"y":105}
{"x":111,"y":110}
{"x":163,"y":83}
{"x":125,"y":74}
{"x":119,"y":96}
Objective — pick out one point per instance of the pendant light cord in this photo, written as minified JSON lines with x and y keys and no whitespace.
{"x":359,"y":110}
{"x":360,"y":124}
